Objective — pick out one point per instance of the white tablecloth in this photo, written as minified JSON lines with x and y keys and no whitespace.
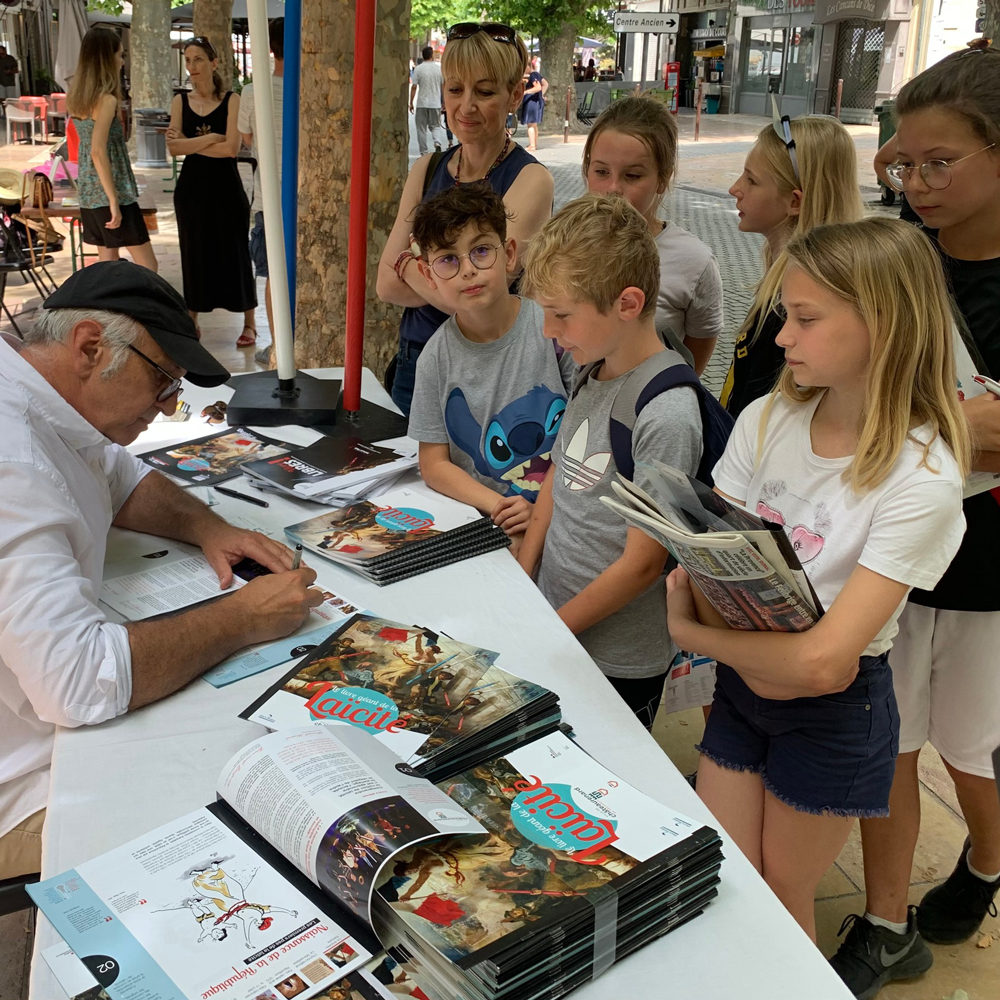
{"x":116,"y":781}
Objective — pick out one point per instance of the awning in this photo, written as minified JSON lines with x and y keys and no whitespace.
{"x":839,"y":10}
{"x":716,"y":52}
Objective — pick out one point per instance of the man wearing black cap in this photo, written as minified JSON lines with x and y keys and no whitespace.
{"x":105,"y":357}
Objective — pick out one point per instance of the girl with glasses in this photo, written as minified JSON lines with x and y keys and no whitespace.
{"x":946,"y":671}
{"x":109,"y":198}
{"x":213,"y":212}
{"x":483,"y":67}
{"x":799,"y":174}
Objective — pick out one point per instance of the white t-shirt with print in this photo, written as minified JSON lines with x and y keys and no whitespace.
{"x":907,"y":529}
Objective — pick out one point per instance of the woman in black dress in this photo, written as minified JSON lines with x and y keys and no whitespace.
{"x":213,"y":213}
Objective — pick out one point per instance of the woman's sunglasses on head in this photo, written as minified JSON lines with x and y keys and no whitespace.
{"x":498,"y":32}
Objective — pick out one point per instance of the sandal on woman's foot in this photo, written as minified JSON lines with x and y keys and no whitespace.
{"x":247,"y":340}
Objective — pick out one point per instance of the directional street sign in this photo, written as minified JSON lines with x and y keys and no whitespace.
{"x":653,"y":24}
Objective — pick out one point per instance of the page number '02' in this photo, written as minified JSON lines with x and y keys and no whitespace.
{"x":103,"y":968}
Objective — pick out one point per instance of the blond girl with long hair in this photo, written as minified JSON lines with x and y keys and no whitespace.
{"x":109,"y":198}
{"x":790,"y":183}
{"x":860,"y":455}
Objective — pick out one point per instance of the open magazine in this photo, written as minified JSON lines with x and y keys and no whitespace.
{"x":977,"y":482}
{"x":433,"y":700}
{"x":269,"y":888}
{"x":745,"y":566}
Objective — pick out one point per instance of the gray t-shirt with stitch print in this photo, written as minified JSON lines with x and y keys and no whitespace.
{"x":498,"y":405}
{"x":585,"y":537}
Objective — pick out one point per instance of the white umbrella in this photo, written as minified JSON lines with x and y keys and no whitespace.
{"x":72,"y":27}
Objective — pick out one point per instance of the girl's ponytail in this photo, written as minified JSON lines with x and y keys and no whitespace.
{"x":217,"y":83}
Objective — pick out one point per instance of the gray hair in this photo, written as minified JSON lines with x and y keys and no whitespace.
{"x":53,"y":326}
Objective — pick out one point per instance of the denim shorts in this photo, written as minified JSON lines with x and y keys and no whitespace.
{"x":406,"y":374}
{"x":258,"y":246}
{"x":835,"y":754}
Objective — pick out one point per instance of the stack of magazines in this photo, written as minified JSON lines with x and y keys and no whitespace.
{"x":579,"y":870}
{"x":745,"y":565}
{"x":439,"y":704}
{"x":401,"y":534}
{"x":335,"y":470}
{"x":521,"y":877}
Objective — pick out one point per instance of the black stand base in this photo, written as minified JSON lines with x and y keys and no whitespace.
{"x":371,"y":423}
{"x":261,"y":400}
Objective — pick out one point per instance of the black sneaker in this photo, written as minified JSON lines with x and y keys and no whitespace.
{"x":872,"y":956}
{"x":952,"y":912}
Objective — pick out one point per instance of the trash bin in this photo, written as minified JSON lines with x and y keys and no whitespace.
{"x":150,"y":137}
{"x":886,"y":112}
{"x":712,"y":102}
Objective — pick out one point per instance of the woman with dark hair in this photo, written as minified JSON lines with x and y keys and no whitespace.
{"x":109,"y":198}
{"x":213,"y":213}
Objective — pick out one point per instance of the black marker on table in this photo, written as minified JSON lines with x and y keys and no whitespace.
{"x":240,"y":496}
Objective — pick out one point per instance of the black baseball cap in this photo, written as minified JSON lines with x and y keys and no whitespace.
{"x":122,"y":287}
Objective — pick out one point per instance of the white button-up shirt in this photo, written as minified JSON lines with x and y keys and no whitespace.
{"x":61,"y":662}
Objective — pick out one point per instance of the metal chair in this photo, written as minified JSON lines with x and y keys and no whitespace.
{"x":13,"y":896}
{"x":585,"y":112}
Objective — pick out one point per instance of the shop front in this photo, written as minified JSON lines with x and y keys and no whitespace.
{"x":863,"y":45}
{"x":778,"y":56}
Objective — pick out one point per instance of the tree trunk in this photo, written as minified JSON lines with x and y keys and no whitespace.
{"x":213,"y":19}
{"x":151,"y":56}
{"x":324,"y":187}
{"x":556,"y":54}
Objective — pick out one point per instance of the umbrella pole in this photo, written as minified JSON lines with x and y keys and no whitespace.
{"x":357,"y":239}
{"x":267,"y":164}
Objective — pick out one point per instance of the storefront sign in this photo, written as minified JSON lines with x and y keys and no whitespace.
{"x":838,"y":10}
{"x":653,"y":24}
{"x":718,"y":32}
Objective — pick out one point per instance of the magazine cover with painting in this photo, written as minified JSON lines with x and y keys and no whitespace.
{"x":267,"y":889}
{"x":215,"y":458}
{"x":562,"y":829}
{"x":418,"y":691}
{"x":368,"y":530}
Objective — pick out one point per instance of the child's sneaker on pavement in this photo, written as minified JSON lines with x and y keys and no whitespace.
{"x":952,"y":912}
{"x":871,"y":956}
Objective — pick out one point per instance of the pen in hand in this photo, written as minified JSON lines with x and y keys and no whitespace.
{"x":240,"y":496}
{"x":297,"y":558}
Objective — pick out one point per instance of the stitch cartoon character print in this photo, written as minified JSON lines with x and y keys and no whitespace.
{"x":514,"y":446}
{"x":498,"y":405}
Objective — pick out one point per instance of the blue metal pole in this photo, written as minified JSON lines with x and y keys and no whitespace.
{"x":290,"y":140}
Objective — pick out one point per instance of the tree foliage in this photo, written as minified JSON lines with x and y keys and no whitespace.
{"x":428,"y":14}
{"x":115,"y":6}
{"x":543,"y":20}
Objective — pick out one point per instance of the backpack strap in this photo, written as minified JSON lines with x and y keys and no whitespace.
{"x":660,"y":373}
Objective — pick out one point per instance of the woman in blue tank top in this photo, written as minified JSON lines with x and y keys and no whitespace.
{"x":482,"y":68}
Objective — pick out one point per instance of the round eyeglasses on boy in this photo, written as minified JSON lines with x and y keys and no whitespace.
{"x":482,"y":257}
